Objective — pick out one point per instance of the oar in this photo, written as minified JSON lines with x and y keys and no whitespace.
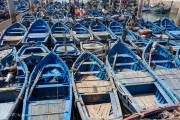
{"x":35,"y":82}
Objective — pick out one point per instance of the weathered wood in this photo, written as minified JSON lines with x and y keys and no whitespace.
{"x":37,"y":35}
{"x":89,"y":72}
{"x":92,"y":46}
{"x":90,"y":78}
{"x":91,"y":62}
{"x":12,"y":38}
{"x":61,"y":35}
{"x":99,"y":110}
{"x":81,"y":35}
{"x":134,"y":77}
{"x":92,"y":84}
{"x":3,"y":53}
{"x":7,"y":89}
{"x":101,"y":33}
{"x":146,"y":100}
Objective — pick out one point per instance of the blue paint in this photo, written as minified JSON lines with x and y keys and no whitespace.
{"x":129,"y":86}
{"x":38,"y":31}
{"x":50,"y":89}
{"x":16,"y":29}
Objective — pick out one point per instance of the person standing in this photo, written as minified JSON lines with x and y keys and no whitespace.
{"x":72,"y":11}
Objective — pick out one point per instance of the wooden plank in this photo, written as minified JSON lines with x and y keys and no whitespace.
{"x":81,"y":35}
{"x":48,"y":108}
{"x":100,"y":111}
{"x":12,"y":38}
{"x":101,"y":33}
{"x":90,"y":78}
{"x":61,"y":35}
{"x":3,"y":53}
{"x":89,"y":62}
{"x":91,"y":46}
{"x":89,"y":72}
{"x":105,"y":110}
{"x":37,"y":35}
{"x":133,"y":75}
{"x":146,"y":100}
{"x":99,"y":86}
{"x":7,"y":89}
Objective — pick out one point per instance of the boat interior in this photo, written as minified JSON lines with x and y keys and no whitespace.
{"x":94,"y":88}
{"x":133,"y":79}
{"x":51,"y":96}
{"x":38,"y":31}
{"x":13,"y":34}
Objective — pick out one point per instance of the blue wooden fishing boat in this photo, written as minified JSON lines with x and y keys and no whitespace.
{"x":38,"y":31}
{"x":81,"y":32}
{"x":13,"y":81}
{"x":97,"y":14}
{"x":157,"y":32}
{"x":117,"y":28}
{"x":146,"y":8}
{"x":177,"y":57}
{"x":13,"y":34}
{"x":171,"y":29}
{"x":150,"y":30}
{"x":21,"y":6}
{"x":136,"y":43}
{"x":137,"y":86}
{"x":50,"y":91}
{"x":137,"y":26}
{"x":160,"y":8}
{"x":68,"y":52}
{"x":32,"y":54}
{"x":141,"y":33}
{"x":155,"y":28}
{"x":86,"y":22}
{"x":167,"y":24}
{"x":47,"y":19}
{"x":61,"y":33}
{"x":27,"y":19}
{"x":94,"y":90}
{"x":58,"y":16}
{"x":95,"y":47}
{"x":163,"y":63}
{"x":99,"y":29}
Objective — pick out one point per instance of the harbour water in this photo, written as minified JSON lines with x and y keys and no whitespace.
{"x":148,"y":16}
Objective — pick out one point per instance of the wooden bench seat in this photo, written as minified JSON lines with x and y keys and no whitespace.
{"x":101,"y":33}
{"x":89,"y":62}
{"x":61,"y":35}
{"x":12,"y":38}
{"x":90,"y":87}
{"x":89,"y":72}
